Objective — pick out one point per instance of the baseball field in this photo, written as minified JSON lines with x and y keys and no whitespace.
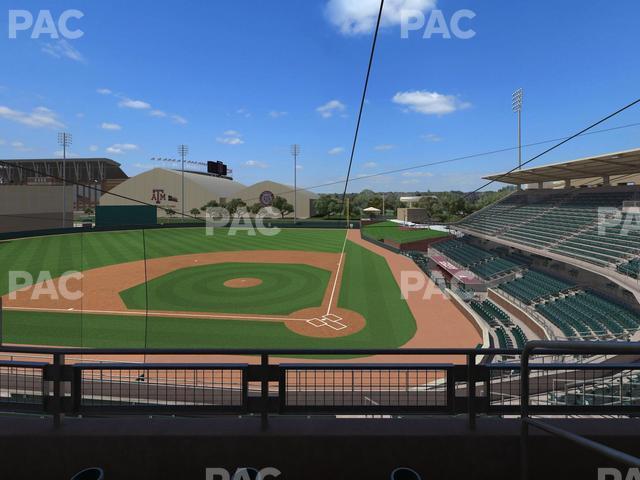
{"x":301,"y":288}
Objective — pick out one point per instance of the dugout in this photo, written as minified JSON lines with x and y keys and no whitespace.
{"x":122,"y":215}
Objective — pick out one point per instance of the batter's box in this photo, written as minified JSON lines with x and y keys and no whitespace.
{"x":331,"y":317}
{"x":317,"y":322}
{"x":336,"y":325}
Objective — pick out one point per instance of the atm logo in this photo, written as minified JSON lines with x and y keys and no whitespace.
{"x":158,"y":196}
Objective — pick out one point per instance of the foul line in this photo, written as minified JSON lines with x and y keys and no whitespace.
{"x":213,"y":316}
{"x":335,"y":281}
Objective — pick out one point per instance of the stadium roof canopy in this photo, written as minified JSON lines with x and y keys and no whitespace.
{"x":619,"y":163}
{"x":83,"y":170}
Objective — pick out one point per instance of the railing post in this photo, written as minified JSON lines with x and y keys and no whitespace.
{"x":264,"y":391}
{"x":58,"y":393}
{"x":471,"y":390}
{"x":524,"y":413}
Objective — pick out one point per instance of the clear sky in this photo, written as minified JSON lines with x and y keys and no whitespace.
{"x":241,"y":80}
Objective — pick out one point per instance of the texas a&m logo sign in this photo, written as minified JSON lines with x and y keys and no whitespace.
{"x":158,"y":196}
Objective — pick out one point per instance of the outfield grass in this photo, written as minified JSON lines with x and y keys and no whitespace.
{"x":368,"y":288}
{"x":392,"y":231}
{"x":284,"y":289}
{"x":83,"y":251}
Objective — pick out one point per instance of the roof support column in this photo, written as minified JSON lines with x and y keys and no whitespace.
{"x":567,"y":183}
{"x":606,"y":180}
{"x":540,"y":185}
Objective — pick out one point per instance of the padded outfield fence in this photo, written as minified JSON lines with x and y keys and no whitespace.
{"x":65,"y":382}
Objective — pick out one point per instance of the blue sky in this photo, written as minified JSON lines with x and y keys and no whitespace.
{"x":239,"y":81}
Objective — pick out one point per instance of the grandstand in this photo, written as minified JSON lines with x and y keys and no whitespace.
{"x":590,"y":229}
{"x":595,"y":226}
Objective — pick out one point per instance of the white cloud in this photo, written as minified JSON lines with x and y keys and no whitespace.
{"x":62,"y":48}
{"x":230,"y":140}
{"x":120,"y":148}
{"x":277,"y":114}
{"x":231,"y":137}
{"x":3,"y":141}
{"x":93,"y":148}
{"x":328,"y":109}
{"x":382,"y":148}
{"x":157,"y":113}
{"x":429,"y":103}
{"x":255,"y":163}
{"x":179,"y":120}
{"x":335,"y":151}
{"x":104,"y":91}
{"x":20,"y":147}
{"x":355,"y":17}
{"x":80,"y":115}
{"x":244,"y":112}
{"x":299,"y":167}
{"x":110,"y":126}
{"x":370,"y":165}
{"x":135,"y":104}
{"x":431,"y":137}
{"x":40,"y":117}
{"x":417,"y":174}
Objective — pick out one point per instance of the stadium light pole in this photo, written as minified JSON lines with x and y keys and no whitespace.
{"x":295,"y":151}
{"x":516,"y":104}
{"x":183,"y":150}
{"x":64,"y":140}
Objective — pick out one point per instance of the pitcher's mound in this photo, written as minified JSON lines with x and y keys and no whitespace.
{"x":242,"y":282}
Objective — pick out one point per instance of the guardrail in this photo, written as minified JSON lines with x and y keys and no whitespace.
{"x":618,"y":384}
{"x":416,"y":382}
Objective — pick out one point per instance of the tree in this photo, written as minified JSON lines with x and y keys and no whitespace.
{"x":283,"y":206}
{"x":234,"y":205}
{"x":255,"y":208}
{"x":210,"y":204}
{"x":88,"y":211}
{"x":170,"y":212}
{"x":195,"y":212}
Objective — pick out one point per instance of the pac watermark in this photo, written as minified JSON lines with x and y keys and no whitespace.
{"x":437,"y":25}
{"x":242,"y":473}
{"x":43,"y":285}
{"x":615,"y":474}
{"x":217,"y":218}
{"x":621,"y":221}
{"x":44,"y":23}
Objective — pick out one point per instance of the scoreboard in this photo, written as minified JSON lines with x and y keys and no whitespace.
{"x":217,"y":168}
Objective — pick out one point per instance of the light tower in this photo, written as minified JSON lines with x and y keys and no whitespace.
{"x":516,"y":104}
{"x":295,"y":151}
{"x":183,"y":150}
{"x":64,"y":140}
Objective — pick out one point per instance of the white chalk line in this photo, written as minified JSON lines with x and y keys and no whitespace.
{"x":335,"y":281}
{"x":213,"y":316}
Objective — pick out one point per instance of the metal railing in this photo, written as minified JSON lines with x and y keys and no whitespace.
{"x":331,"y":382}
{"x":604,"y":385}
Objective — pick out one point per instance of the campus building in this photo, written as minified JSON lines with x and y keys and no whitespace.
{"x":163,"y":187}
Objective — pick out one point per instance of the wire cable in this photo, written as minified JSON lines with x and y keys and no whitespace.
{"x":362,"y":101}
{"x":557,"y":145}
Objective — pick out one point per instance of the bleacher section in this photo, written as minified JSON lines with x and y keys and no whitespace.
{"x":565,"y":223}
{"x":535,"y":286}
{"x":588,"y":316}
{"x":500,"y":322}
{"x":484,"y":264}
